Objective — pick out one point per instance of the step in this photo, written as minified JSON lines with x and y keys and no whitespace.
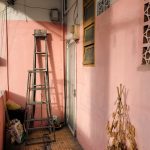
{"x":40,"y":36}
{"x":40,"y":33}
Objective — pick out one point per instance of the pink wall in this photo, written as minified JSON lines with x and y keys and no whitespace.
{"x":118,"y":54}
{"x":21,"y":25}
{"x":21,"y":46}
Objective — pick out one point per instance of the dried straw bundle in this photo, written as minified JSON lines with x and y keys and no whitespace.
{"x":120,"y":131}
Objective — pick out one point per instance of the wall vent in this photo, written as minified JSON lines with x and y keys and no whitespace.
{"x":102,"y":5}
{"x":146,"y":35}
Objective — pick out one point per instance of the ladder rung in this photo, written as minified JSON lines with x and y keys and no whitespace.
{"x":42,"y":36}
{"x":39,"y":69}
{"x":43,"y":127}
{"x":39,"y":85}
{"x":43,"y":53}
{"x":34,"y":103}
{"x":36,"y":71}
{"x":40,"y":88}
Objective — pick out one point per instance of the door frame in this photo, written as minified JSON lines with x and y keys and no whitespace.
{"x":71,"y":42}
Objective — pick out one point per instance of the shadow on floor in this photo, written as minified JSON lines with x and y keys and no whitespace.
{"x":64,"y":141}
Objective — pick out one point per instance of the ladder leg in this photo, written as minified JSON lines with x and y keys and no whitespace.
{"x":48,"y":93}
{"x":47,"y":102}
{"x":49,"y":108}
{"x":26,"y":117}
{"x":41,"y":107}
{"x":34,"y":82}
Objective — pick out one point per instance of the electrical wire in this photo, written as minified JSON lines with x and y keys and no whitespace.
{"x":25,"y":5}
{"x":75,"y":12}
{"x":2,"y":15}
{"x":4,"y":26}
{"x":36,"y":7}
{"x":25,"y":11}
{"x":68,"y":10}
{"x":7,"y":49}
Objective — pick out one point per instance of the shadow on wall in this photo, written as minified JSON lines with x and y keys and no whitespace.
{"x":93,"y":134}
{"x":17,"y":98}
{"x":99,"y":103}
{"x":2,"y":62}
{"x":56,"y":96}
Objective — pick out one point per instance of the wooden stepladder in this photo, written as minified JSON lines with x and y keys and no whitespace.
{"x":38,"y":114}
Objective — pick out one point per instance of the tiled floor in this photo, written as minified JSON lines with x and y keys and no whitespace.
{"x":64,"y":141}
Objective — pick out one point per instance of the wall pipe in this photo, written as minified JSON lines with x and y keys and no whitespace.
{"x":7,"y":47}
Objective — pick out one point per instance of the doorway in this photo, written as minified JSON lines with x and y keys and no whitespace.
{"x":71,"y":87}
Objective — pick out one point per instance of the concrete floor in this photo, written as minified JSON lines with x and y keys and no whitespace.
{"x":64,"y":141}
